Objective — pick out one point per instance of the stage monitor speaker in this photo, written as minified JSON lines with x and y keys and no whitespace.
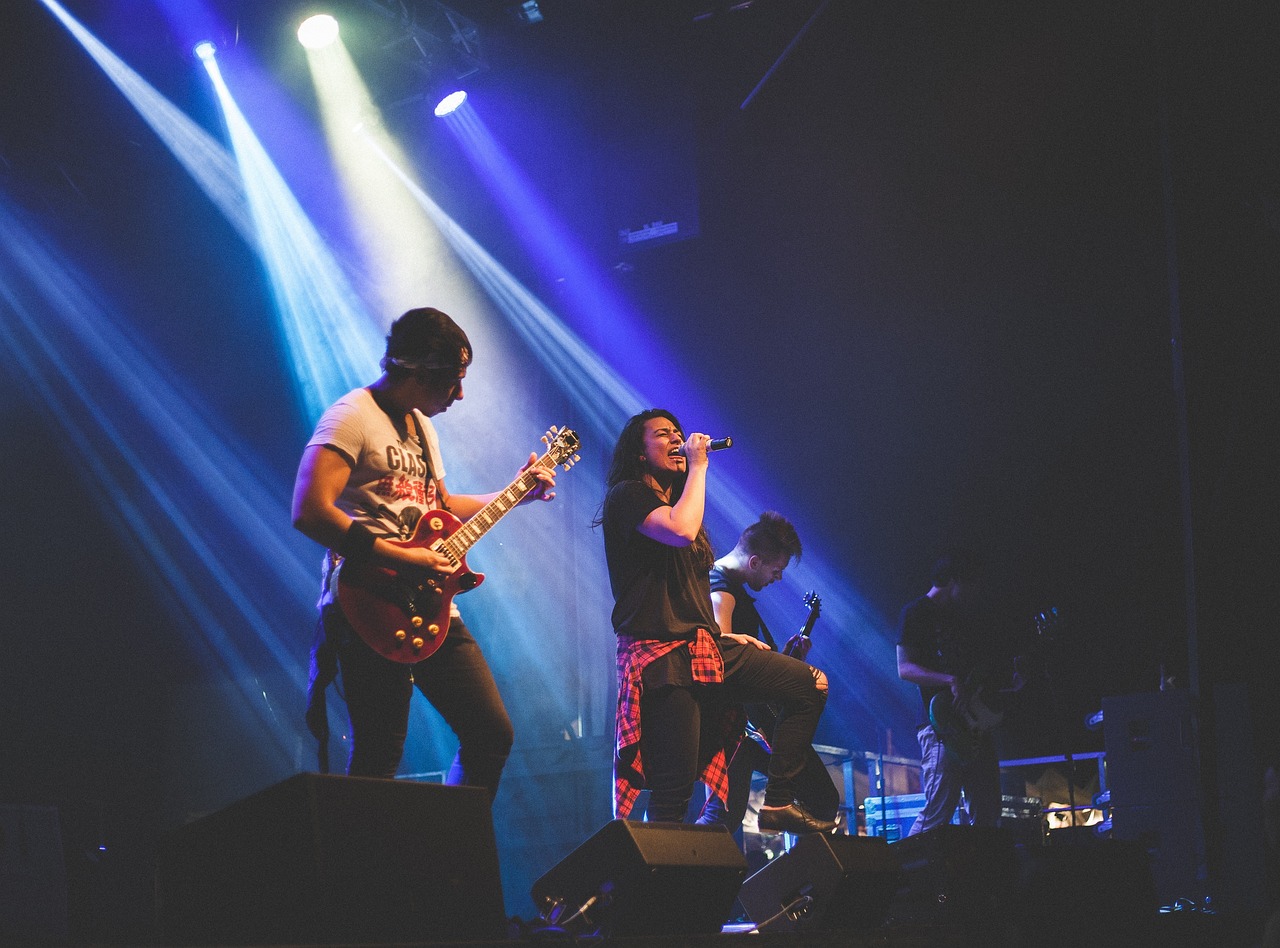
{"x":959,"y":876}
{"x":848,"y":882}
{"x":646,"y":879}
{"x":328,"y":859}
{"x":33,"y":876}
{"x":1098,"y":894}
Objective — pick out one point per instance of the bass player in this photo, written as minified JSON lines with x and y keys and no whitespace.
{"x":941,"y":650}
{"x":370,"y":472}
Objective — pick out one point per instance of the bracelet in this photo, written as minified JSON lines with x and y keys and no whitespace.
{"x":357,"y":543}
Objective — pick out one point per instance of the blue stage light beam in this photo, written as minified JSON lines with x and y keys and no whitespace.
{"x":176,"y":487}
{"x":334,"y":342}
{"x":616,"y":333}
{"x":204,"y":157}
{"x":404,"y":255}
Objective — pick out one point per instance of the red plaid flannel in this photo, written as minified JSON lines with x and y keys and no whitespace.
{"x":708,"y":668}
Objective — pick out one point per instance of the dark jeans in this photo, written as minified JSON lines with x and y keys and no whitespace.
{"x":813,"y":786}
{"x":679,"y":726}
{"x":456,"y":680}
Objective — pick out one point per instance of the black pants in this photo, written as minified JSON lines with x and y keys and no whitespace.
{"x":813,"y":786}
{"x":678,"y":726}
{"x":456,"y":680}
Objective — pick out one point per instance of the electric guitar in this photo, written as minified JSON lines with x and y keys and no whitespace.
{"x":961,"y":729}
{"x":799,"y":644}
{"x":797,"y":647}
{"x":403,"y":614}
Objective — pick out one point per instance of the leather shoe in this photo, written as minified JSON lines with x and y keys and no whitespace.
{"x":792,"y":819}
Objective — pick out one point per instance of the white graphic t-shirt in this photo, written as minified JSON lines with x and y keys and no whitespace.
{"x":390,"y":488}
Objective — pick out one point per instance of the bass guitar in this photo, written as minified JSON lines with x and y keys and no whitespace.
{"x":403,"y":614}
{"x":961,"y":728}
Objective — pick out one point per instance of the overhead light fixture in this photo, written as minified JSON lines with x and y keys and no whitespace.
{"x":529,"y":12}
{"x":317,"y":32}
{"x":204,"y":50}
{"x":450,"y":103}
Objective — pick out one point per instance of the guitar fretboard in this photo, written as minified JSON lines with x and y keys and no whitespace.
{"x":461,"y":540}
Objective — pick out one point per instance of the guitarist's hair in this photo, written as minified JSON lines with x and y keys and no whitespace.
{"x":425,"y":338}
{"x":960,"y":566}
{"x":628,"y":464}
{"x":771,"y":536}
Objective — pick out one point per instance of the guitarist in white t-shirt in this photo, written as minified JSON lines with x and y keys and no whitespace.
{"x":943,"y":651}
{"x":371,"y":476}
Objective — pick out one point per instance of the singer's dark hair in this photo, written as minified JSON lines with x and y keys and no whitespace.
{"x":628,"y":464}
{"x":771,"y":536}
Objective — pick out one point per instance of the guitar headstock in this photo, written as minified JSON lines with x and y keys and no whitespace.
{"x":1048,"y":622}
{"x":814,"y":602}
{"x":562,"y":445}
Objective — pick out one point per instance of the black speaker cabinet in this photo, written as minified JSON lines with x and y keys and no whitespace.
{"x":961,"y":876}
{"x":1098,"y":894}
{"x":33,"y":876}
{"x":647,"y":879}
{"x":849,"y":881}
{"x":328,"y":859}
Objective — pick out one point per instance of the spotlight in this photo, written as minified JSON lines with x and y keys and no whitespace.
{"x":450,"y":103}
{"x":528,"y":12}
{"x":318,"y":31}
{"x":204,"y":51}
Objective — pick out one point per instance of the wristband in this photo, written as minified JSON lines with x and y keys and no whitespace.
{"x":357,"y":543}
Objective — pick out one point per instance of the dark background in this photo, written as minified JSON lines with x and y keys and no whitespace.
{"x":932,"y":290}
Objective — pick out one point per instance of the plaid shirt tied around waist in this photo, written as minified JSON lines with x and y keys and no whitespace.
{"x":634,"y":655}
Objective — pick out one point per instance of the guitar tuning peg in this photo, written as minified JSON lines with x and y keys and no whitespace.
{"x":566,"y":466}
{"x":576,"y":459}
{"x":545,"y":440}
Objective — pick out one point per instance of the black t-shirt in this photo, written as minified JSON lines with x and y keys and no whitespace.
{"x":659,"y":591}
{"x":938,"y":637}
{"x":746,"y":618}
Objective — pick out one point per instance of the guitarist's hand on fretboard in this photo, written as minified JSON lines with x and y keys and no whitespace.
{"x":798,"y":646}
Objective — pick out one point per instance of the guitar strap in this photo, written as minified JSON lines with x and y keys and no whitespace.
{"x":426,"y":460}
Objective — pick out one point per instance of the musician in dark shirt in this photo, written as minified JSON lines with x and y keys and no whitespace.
{"x":763,"y":551}
{"x":941,"y":650}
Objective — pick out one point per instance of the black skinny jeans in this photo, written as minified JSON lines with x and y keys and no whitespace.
{"x":679,"y":726}
{"x":456,"y":680}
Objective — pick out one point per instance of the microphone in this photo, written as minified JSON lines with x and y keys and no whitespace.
{"x":715,"y":444}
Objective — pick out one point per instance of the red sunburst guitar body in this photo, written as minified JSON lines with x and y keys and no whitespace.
{"x":400,"y":616}
{"x":403,"y":615}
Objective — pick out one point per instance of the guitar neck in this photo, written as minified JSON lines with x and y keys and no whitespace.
{"x":461,"y":540}
{"x":809,"y":621}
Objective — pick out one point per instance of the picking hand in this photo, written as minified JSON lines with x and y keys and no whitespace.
{"x":426,"y":558}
